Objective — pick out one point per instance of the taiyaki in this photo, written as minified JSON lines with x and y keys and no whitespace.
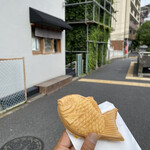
{"x":81,"y":116}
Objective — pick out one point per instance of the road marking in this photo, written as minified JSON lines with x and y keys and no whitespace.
{"x":115,"y":82}
{"x":130,"y":71}
{"x":130,"y":76}
{"x":133,"y":57}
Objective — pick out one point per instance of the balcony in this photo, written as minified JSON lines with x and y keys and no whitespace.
{"x":135,"y":6}
{"x":132,"y":36}
{"x":133,"y":26}
{"x":136,"y":18}
{"x":139,"y":1}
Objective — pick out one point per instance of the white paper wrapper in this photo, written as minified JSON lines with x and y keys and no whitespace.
{"x":129,"y":143}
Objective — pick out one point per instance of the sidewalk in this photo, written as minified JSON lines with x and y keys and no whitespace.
{"x":40,"y":118}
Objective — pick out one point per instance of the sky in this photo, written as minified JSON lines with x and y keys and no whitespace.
{"x":145,"y":2}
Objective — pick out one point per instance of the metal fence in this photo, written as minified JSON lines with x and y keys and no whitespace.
{"x":12,"y":83}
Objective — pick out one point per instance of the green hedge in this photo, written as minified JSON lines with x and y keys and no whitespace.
{"x":97,"y":33}
{"x":76,"y":38}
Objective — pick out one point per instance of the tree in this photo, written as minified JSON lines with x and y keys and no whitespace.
{"x":134,"y":45}
{"x":143,"y":34}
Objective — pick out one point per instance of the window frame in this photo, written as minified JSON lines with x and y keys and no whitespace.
{"x":42,"y":47}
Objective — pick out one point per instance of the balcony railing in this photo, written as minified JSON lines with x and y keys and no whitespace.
{"x":135,"y":18}
{"x":133,"y":26}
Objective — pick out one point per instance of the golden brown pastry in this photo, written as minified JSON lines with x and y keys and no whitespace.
{"x":81,"y":116}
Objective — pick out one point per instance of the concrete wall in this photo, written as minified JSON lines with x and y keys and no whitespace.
{"x":112,"y":54}
{"x":15,"y":38}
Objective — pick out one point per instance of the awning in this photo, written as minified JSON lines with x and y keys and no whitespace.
{"x":42,"y":19}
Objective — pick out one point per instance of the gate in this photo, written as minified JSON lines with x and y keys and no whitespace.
{"x":12,"y":83}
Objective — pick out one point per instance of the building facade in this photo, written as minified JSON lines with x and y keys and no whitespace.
{"x":148,"y":18}
{"x":145,"y":14}
{"x":41,"y":42}
{"x":128,"y":20}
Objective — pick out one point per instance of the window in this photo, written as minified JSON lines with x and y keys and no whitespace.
{"x":35,"y":44}
{"x":48,"y":45}
{"x":42,"y":45}
{"x":57,"y":46}
{"x":45,"y":45}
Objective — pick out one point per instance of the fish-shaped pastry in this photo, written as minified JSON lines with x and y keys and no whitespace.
{"x":81,"y":116}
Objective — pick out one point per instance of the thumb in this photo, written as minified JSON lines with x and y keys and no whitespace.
{"x":90,"y":142}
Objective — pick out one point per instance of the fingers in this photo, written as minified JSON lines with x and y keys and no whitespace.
{"x":64,"y":142}
{"x":90,"y":142}
{"x":72,"y":148}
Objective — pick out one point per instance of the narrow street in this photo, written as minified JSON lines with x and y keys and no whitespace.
{"x":40,"y":118}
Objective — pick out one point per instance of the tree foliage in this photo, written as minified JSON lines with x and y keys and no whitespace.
{"x":134,"y":45}
{"x":143,"y":34}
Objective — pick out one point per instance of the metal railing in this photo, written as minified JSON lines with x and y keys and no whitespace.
{"x":72,"y":65}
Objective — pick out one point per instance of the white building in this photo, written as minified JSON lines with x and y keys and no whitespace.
{"x":34,"y":35}
{"x":148,"y":18}
{"x":128,"y":20}
{"x":145,"y":10}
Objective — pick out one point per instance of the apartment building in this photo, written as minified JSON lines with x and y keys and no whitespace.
{"x":127,"y":14}
{"x":145,"y":14}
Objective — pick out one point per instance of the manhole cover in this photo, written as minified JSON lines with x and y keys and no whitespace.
{"x":24,"y":143}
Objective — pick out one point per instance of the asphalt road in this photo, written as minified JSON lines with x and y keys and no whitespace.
{"x":40,"y":118}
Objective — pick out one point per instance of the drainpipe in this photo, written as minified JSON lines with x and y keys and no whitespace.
{"x":125,"y":25}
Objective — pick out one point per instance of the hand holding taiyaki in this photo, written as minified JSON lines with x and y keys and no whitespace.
{"x":64,"y":142}
{"x":81,"y":116}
